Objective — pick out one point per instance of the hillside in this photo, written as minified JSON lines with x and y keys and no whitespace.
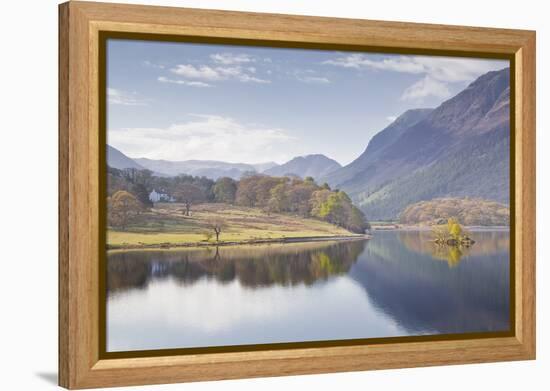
{"x":316,"y":166}
{"x":459,"y":149}
{"x":351,"y":174}
{"x":468,"y":211}
{"x":117,"y":159}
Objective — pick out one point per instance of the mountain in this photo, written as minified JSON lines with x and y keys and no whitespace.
{"x":117,"y":159}
{"x":376,"y":145}
{"x":261,"y":167}
{"x":315,"y":166}
{"x":208,"y":168}
{"x":459,"y":149}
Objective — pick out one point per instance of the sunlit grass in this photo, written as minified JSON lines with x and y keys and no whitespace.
{"x":165,"y":224}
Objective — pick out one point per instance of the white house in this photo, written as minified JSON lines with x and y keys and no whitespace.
{"x":155,"y":196}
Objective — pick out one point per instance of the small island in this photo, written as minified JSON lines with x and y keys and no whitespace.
{"x":452,"y":234}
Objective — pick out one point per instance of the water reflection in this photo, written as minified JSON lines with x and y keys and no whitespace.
{"x":398,"y":283}
{"x":469,"y":292}
{"x":252,"y":266}
{"x":490,"y":243}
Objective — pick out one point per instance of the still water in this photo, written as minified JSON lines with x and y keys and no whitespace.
{"x":396,"y":284}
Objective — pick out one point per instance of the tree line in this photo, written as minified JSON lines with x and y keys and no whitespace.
{"x":293,"y":195}
{"x":468,"y":211}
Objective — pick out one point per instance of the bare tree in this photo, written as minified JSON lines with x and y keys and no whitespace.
{"x":188,"y":194}
{"x":217,"y":225}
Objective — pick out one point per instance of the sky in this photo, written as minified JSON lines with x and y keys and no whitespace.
{"x":182,"y":101}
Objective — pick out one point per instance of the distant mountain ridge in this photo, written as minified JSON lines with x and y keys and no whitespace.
{"x":460,"y":148}
{"x":316,"y":166}
{"x":302,"y":166}
{"x":209,"y":168}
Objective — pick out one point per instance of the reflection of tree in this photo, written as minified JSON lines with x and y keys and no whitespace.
{"x":487,"y":243}
{"x":451,"y":254}
{"x":252,"y":266}
{"x":124,"y":273}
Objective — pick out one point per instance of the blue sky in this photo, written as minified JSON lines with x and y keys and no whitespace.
{"x":181,"y":101}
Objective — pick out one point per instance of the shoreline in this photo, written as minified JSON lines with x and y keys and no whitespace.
{"x":400,"y":227}
{"x":303,"y":239}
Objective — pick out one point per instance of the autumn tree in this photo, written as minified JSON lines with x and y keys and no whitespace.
{"x":224,"y":190}
{"x":263,"y":188}
{"x":278,"y":202}
{"x":122,"y":207}
{"x":188,"y":194}
{"x":455,"y":230}
{"x":255,"y":190}
{"x":317,"y":201}
{"x":299,"y":195}
{"x":337,"y":208}
{"x":356,"y":221}
{"x":246,"y":191}
{"x":469,"y":211}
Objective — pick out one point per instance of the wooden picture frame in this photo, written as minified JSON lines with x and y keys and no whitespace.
{"x":81,"y":24}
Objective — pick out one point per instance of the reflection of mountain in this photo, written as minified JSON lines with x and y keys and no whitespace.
{"x":252,"y":266}
{"x":427,"y":296}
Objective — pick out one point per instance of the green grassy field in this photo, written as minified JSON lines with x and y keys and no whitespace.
{"x":166,"y":224}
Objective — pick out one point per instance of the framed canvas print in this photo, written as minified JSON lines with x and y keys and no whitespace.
{"x":248,"y":195}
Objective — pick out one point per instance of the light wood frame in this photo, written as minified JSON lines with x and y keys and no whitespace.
{"x":80,"y":24}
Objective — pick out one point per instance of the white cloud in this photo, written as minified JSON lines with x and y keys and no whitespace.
{"x":391,"y":118}
{"x":163,"y":79}
{"x":119,"y":97}
{"x":203,"y":72}
{"x":313,"y":79}
{"x":207,"y":137}
{"x":218,"y":73}
{"x":437,"y":72}
{"x":231,"y":58}
{"x":425,"y":87}
{"x":310,"y":76}
{"x":359,"y":61}
{"x":447,"y":69}
{"x":153,"y":65}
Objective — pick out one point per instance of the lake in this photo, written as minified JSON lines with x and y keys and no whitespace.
{"x":396,"y":284}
